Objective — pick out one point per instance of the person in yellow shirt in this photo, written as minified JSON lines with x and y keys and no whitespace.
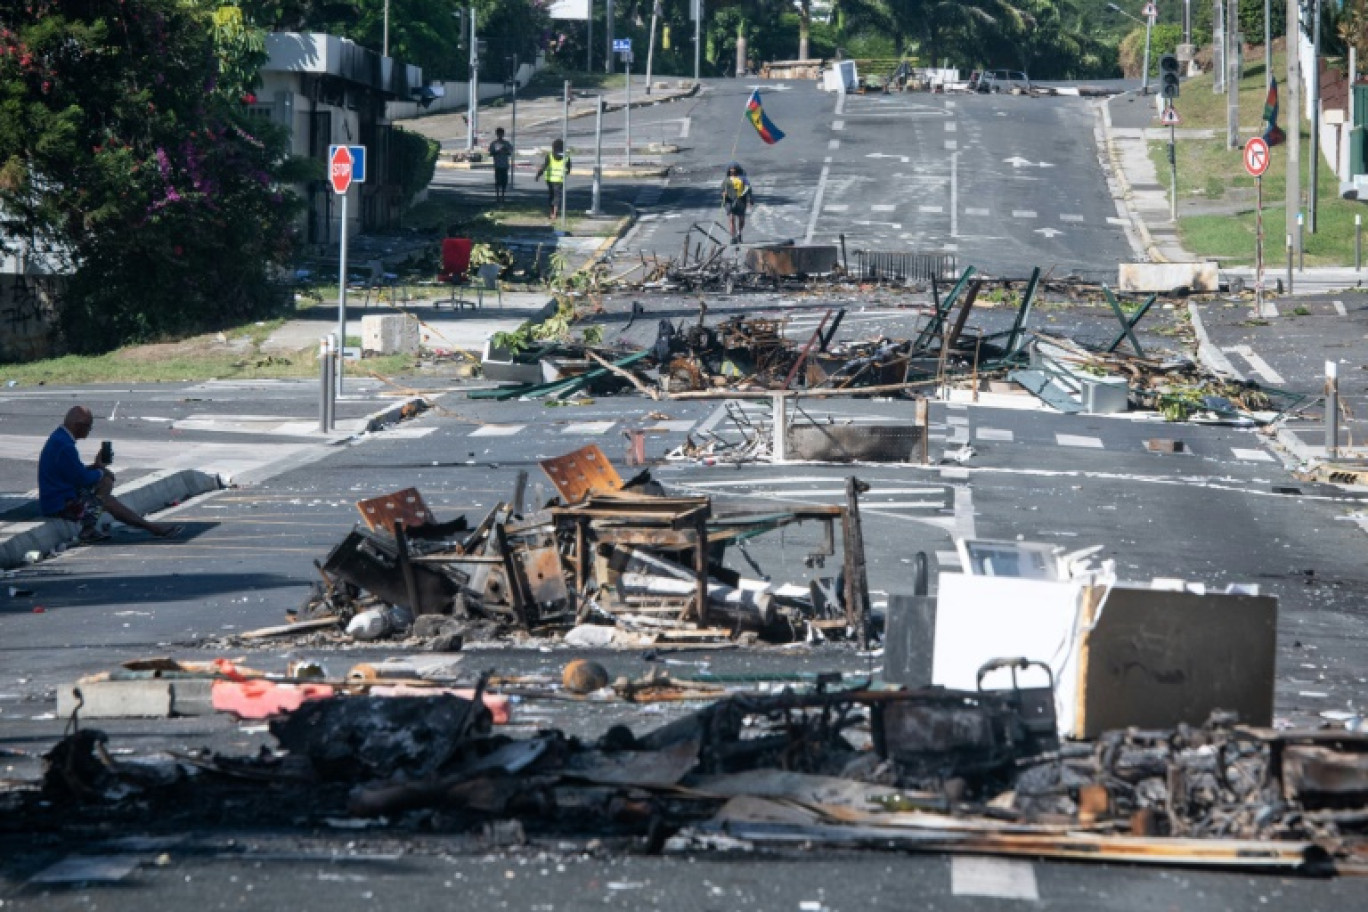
{"x":556,"y":167}
{"x":737,"y":197}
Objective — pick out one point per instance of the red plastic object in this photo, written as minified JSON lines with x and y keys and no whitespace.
{"x":259,"y":699}
{"x":455,"y":259}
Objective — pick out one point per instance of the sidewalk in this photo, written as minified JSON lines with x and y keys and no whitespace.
{"x":1129,"y":125}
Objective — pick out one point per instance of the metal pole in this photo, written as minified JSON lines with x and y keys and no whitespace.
{"x":1301,"y":242}
{"x":779,"y":445}
{"x":1173,"y":174}
{"x":1232,"y":74}
{"x":1312,"y":196}
{"x":1294,"y":115}
{"x":565,"y":143}
{"x":325,"y":384}
{"x":589,"y":42}
{"x":1258,"y":248}
{"x":473,"y":95}
{"x":594,"y":209}
{"x":650,"y":51}
{"x":1289,"y":263}
{"x":1268,"y":46}
{"x":1144,"y":77}
{"x":513,"y":162}
{"x":1331,"y":409}
{"x":1358,"y":243}
{"x":384,"y":41}
{"x":628,"y":113}
{"x":342,"y":293}
{"x":698,"y":36}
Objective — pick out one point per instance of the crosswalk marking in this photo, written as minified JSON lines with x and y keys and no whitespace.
{"x":985,"y":433}
{"x":975,"y":211}
{"x":930,"y":210}
{"x":1070,"y":217}
{"x":882,"y":207}
{"x":497,"y":430}
{"x":588,"y":427}
{"x":1251,"y":455}
{"x":1002,"y":878}
{"x":1075,"y":440}
{"x":1023,"y":213}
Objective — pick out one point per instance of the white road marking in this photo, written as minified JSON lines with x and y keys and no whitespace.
{"x":1119,"y":222}
{"x":817,"y":201}
{"x":951,"y":126}
{"x":684,"y":127}
{"x":954,"y":195}
{"x":1003,"y":878}
{"x":950,"y":248}
{"x":1251,"y":455}
{"x":497,"y":430}
{"x":1069,"y":217}
{"x":882,"y":207}
{"x":986,"y":433}
{"x":838,"y":125}
{"x":1023,"y":213}
{"x":956,"y":420}
{"x":932,"y":210}
{"x":835,"y":207}
{"x":1073,"y":440}
{"x":840,"y":104}
{"x":588,"y":427}
{"x":834,"y":144}
{"x":1048,"y":232}
{"x":1339,"y":308}
{"x":671,"y":427}
{"x":951,"y":145}
{"x":1259,"y":364}
{"x":971,"y":210}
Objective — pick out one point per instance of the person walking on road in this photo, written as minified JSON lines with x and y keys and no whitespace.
{"x":501,"y":153}
{"x":737,"y":197}
{"x":80,"y":493}
{"x":556,"y":167}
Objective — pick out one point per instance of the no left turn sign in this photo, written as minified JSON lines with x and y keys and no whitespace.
{"x":1256,"y":156}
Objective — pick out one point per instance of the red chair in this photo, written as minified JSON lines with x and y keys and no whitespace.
{"x":455,"y":269}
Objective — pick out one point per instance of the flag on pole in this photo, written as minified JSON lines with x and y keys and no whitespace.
{"x":755,"y":113}
{"x":1273,"y":134}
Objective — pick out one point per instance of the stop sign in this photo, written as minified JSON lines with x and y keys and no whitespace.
{"x":340,"y":169}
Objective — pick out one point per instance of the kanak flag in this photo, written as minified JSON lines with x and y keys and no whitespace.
{"x":1273,"y":134}
{"x":755,"y":113}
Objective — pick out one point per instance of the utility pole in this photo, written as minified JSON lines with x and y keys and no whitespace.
{"x":384,"y":40}
{"x":1268,"y":46}
{"x":608,"y":43}
{"x":565,"y":146}
{"x":594,"y":210}
{"x":1312,"y":196}
{"x":627,"y":61}
{"x":1149,"y":27}
{"x":513,"y":137}
{"x":1293,"y":205}
{"x":1233,"y":74}
{"x":473,"y":107}
{"x":697,"y":6}
{"x":650,"y":50}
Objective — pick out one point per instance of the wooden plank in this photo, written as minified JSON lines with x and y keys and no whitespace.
{"x":287,"y":629}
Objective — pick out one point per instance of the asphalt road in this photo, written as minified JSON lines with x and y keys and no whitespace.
{"x":1226,"y":511}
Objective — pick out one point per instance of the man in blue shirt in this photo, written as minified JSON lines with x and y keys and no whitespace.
{"x":80,"y":493}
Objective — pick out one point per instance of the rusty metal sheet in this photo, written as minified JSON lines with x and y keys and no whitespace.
{"x":541,"y":567}
{"x":581,"y":473}
{"x":406,"y":505}
{"x":1320,"y":776}
{"x":792,"y":259}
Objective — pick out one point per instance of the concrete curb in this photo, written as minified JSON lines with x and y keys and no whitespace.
{"x":1151,"y":249}
{"x":145,"y":495}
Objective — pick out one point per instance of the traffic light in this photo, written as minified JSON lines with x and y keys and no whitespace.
{"x":1168,"y":76}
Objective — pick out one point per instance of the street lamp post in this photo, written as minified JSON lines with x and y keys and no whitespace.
{"x":473,"y":105}
{"x":1148,"y":23}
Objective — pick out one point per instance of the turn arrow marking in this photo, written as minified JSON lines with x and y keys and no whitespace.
{"x":1048,"y":232}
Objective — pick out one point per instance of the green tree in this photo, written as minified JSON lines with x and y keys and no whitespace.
{"x":127,"y":154}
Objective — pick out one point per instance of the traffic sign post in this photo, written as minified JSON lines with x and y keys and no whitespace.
{"x":346,"y":166}
{"x":1171,"y":119}
{"x":1256,"y":163}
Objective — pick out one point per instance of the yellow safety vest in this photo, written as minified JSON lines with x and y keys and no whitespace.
{"x":556,"y":168}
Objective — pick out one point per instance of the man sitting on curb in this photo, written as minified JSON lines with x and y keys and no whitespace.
{"x":80,"y":493}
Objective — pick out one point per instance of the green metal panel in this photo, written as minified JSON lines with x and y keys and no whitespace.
{"x":1357,"y":137}
{"x":1361,"y":105}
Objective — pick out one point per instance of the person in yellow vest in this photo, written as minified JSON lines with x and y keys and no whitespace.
{"x":556,"y":167}
{"x":736,"y":199}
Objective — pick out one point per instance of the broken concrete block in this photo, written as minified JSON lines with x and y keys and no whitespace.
{"x":389,"y":334}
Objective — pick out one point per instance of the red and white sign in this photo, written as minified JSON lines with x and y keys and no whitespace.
{"x":1256,"y":156}
{"x":1170,"y":117}
{"x":1151,"y":11}
{"x":340,"y":170}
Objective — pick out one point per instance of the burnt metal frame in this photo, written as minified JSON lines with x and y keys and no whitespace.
{"x":1127,"y":325}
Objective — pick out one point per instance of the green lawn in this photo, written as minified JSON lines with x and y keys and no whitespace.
{"x":1211,"y":175}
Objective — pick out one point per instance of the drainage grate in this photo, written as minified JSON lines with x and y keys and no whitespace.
{"x":887,"y":266}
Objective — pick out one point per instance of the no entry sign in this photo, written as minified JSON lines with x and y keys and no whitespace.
{"x":346,"y":166}
{"x":1256,"y":157}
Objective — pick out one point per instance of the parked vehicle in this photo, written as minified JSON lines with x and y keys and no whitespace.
{"x":1001,"y":81}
